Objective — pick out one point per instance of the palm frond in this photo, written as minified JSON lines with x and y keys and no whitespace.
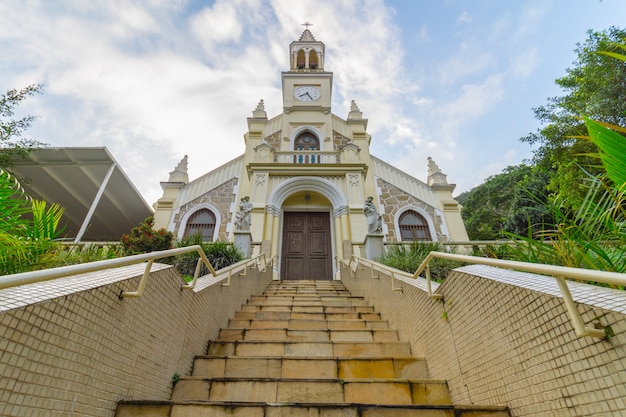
{"x":612,"y":147}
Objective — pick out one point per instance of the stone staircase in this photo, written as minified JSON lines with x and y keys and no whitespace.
{"x":308,"y":349}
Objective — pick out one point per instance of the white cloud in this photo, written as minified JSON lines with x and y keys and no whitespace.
{"x":525,"y":63}
{"x":529,"y":18}
{"x":473,"y":101}
{"x":464,"y":18}
{"x":218,"y":23}
{"x":423,"y":33}
{"x":129,"y":78}
{"x":467,"y":63}
{"x":161,"y":80}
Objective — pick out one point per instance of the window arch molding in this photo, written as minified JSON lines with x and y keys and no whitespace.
{"x":185,"y":219}
{"x":421,"y":212}
{"x":306,"y":129}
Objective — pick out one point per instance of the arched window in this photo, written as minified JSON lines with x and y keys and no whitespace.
{"x":300,"y":60}
{"x":413,"y":226}
{"x":313,"y":60}
{"x":202,"y":223}
{"x":306,"y":141}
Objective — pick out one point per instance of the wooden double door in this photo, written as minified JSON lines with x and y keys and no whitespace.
{"x":306,"y":246}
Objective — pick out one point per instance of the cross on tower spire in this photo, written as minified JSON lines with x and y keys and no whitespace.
{"x":307,"y":24}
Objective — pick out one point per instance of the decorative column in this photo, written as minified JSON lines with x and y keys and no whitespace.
{"x":275,"y":211}
{"x":340,"y":235}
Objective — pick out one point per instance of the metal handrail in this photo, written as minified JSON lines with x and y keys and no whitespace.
{"x":391,"y":271}
{"x":255,"y":262}
{"x":558,"y":272}
{"x":63,"y":271}
{"x":459,"y":242}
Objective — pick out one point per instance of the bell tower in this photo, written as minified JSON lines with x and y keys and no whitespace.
{"x":306,"y":86}
{"x":307,"y":54}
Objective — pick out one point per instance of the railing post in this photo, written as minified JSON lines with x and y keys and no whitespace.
{"x":230,"y":274}
{"x":372,"y":272}
{"x":393,"y":287}
{"x":574,"y":315}
{"x":142,"y":283}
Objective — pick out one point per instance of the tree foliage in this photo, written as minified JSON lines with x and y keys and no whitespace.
{"x":594,"y":235}
{"x":12,"y":142}
{"x":595,"y":87}
{"x":507,"y":202}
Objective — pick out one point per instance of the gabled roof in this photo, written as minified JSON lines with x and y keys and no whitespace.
{"x":101,"y":204}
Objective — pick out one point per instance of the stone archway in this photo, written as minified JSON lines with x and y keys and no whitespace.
{"x":307,"y":237}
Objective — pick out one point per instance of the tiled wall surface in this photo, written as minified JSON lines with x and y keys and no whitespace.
{"x":504,"y":338}
{"x":72,"y":347}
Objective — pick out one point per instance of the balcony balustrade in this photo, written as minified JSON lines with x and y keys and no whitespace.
{"x":307,"y":157}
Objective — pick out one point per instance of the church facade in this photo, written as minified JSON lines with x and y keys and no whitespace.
{"x":307,"y":189}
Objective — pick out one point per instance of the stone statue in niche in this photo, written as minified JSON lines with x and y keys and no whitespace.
{"x":374,"y":220}
{"x":242,"y":218}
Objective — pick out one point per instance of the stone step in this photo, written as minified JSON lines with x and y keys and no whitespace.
{"x":306,"y":302}
{"x":303,"y":324}
{"x":307,"y":295}
{"x":309,"y":349}
{"x":257,"y":409}
{"x":307,"y":367}
{"x":306,"y":291}
{"x":324,"y":335}
{"x":306,"y":315}
{"x":307,"y":308}
{"x":320,"y":391}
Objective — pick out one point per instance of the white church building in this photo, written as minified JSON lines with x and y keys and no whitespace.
{"x":307,"y":189}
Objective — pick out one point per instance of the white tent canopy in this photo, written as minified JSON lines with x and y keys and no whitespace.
{"x":101,"y":204}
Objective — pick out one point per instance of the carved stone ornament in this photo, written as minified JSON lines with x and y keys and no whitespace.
{"x":242,"y":217}
{"x":260,"y":180}
{"x":374,"y":220}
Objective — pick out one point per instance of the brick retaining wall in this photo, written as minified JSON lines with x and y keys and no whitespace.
{"x":504,"y":338}
{"x":71,"y":346}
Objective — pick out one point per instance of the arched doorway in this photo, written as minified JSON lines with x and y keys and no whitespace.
{"x":308,"y":208}
{"x":306,"y":251}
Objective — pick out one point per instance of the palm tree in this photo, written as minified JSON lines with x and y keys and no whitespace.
{"x":28,"y":228}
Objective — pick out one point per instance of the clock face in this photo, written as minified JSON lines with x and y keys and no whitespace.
{"x":307,"y":93}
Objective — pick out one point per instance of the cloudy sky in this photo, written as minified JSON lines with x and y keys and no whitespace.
{"x":154,"y":80}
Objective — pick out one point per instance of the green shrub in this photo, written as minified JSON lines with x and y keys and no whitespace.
{"x":80,"y":254}
{"x":409,"y":257}
{"x":220,"y":254}
{"x":505,"y":250}
{"x":144,"y":239}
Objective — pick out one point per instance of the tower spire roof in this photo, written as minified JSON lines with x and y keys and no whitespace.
{"x":307,"y":36}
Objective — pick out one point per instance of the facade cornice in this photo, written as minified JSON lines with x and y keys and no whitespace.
{"x":307,"y":169}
